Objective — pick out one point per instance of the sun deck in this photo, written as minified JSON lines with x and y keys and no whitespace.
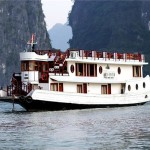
{"x":102,"y":57}
{"x":82,"y":54}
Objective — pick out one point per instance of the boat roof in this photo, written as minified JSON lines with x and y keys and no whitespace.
{"x":110,"y":61}
{"x":85,"y":57}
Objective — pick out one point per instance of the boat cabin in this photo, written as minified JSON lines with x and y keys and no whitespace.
{"x":79,"y":71}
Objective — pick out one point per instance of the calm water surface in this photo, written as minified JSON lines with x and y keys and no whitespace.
{"x":92,"y":129}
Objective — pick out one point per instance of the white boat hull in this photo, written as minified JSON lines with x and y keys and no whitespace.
{"x":47,"y":100}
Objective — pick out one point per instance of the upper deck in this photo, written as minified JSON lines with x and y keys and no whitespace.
{"x":84,"y":56}
{"x":106,"y":57}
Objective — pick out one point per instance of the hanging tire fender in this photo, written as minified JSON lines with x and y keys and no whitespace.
{"x":29,"y":99}
{"x":21,"y":98}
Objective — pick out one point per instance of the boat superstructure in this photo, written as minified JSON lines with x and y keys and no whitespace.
{"x":77,"y":79}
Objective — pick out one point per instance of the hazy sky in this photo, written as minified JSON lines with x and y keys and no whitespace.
{"x":56,"y":11}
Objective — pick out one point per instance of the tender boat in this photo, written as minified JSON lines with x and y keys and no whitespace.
{"x":79,"y":79}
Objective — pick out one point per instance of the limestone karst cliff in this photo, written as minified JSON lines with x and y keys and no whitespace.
{"x":18,"y":20}
{"x":111,"y":25}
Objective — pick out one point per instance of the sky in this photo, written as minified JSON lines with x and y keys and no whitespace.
{"x":56,"y":11}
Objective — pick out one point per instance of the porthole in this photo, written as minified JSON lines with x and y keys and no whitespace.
{"x":144,"y":85}
{"x":136,"y":86}
{"x":119,"y":70}
{"x":100,"y":69}
{"x":72,"y":68}
{"x":129,"y":87}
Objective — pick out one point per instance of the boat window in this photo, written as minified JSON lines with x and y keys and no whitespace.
{"x":72,"y":68}
{"x":86,"y":70}
{"x":43,"y":66}
{"x":79,"y":88}
{"x":136,"y":71}
{"x":84,"y":87}
{"x":24,"y":66}
{"x":122,"y":88}
{"x":31,"y":65}
{"x":144,"y":85}
{"x":104,"y":89}
{"x":79,"y":69}
{"x":119,"y":70}
{"x":129,"y":87}
{"x":36,"y":66}
{"x":91,"y":73}
{"x":54,"y":86}
{"x":100,"y":69}
{"x":60,"y":87}
{"x":92,"y":70}
{"x":136,"y":86}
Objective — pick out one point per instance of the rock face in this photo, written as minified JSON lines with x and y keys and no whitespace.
{"x":112,"y":25}
{"x":18,"y":20}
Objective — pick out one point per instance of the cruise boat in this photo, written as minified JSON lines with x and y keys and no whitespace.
{"x":79,"y":79}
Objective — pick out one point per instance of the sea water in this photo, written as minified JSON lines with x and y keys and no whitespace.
{"x":90,"y":129}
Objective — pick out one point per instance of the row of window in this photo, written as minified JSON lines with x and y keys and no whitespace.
{"x":84,"y":69}
{"x":91,"y":70}
{"x":88,"y":69}
{"x":136,"y":86}
{"x":34,"y":66}
{"x":105,"y":89}
{"x":56,"y":87}
{"x":81,"y":69}
{"x":81,"y":88}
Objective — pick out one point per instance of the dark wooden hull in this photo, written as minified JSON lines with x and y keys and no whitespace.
{"x":40,"y":105}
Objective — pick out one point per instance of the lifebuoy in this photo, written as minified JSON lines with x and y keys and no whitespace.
{"x":44,"y":76}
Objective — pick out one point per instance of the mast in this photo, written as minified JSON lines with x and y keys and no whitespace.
{"x":32,"y":43}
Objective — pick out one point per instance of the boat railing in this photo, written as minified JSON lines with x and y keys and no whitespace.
{"x":95,"y":55}
{"x":50,"y":53}
{"x":18,"y":88}
{"x":58,"y":73}
{"x":92,"y":54}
